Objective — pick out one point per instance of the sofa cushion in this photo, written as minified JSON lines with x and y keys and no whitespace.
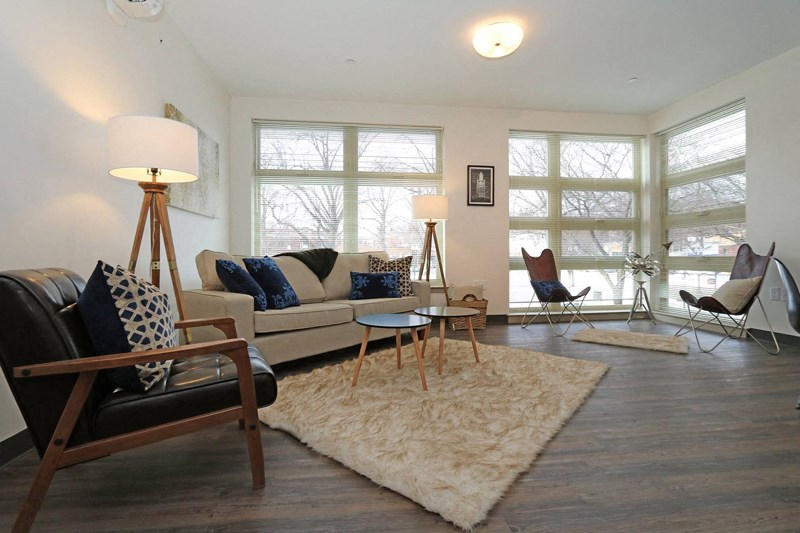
{"x":380,"y":285}
{"x":124,"y":313}
{"x":279,"y":291}
{"x":302,"y":317}
{"x":237,"y":279}
{"x":381,"y":305}
{"x":338,"y":284}
{"x":401,"y":265}
{"x":305,"y":283}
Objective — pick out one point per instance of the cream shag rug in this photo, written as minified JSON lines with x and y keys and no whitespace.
{"x":632,"y":339}
{"x":454,"y":449}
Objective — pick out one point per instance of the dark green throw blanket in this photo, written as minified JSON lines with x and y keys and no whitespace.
{"x":319,"y":260}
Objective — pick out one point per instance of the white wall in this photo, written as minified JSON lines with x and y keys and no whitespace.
{"x":771,"y":92}
{"x":65,"y":68}
{"x":476,"y":237}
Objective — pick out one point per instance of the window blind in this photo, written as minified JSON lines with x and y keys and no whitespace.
{"x":704,"y":190}
{"x":343,"y":186}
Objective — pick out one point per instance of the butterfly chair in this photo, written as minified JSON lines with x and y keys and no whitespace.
{"x":73,"y":416}
{"x":792,"y":299}
{"x":547,"y":289}
{"x":733,"y":300}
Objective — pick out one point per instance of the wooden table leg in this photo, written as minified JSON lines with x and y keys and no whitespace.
{"x":415,"y":338}
{"x":425,"y":340}
{"x":397,"y":342}
{"x":361,"y":354}
{"x":472,"y":338}
{"x":442,"y":322}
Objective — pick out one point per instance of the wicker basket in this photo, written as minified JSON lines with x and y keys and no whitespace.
{"x":470,"y":302}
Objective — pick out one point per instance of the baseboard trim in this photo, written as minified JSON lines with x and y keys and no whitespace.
{"x":15,"y":446}
{"x":783,"y":338}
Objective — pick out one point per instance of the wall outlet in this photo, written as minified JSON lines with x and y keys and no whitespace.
{"x":774,"y":294}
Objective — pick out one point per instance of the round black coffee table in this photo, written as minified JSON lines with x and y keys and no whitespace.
{"x":443,"y":313}
{"x":396,"y":322}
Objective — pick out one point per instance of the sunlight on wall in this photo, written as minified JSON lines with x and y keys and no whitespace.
{"x":39,"y":41}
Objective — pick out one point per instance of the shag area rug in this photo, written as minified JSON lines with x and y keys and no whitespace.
{"x":632,"y":339}
{"x":454,"y":449}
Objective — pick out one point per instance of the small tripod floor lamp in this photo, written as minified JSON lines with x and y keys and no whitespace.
{"x":430,"y":207}
{"x":155,"y":152}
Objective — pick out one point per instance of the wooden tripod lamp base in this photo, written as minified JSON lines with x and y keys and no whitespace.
{"x":154,"y":209}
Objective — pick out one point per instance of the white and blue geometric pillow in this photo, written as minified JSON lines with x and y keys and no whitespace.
{"x":124,"y":313}
{"x":272,"y":281}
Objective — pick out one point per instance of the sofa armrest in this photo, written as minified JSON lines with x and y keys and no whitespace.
{"x":422,"y":289}
{"x":210,"y":304}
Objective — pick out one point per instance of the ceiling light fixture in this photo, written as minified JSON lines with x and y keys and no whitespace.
{"x":498,"y":39}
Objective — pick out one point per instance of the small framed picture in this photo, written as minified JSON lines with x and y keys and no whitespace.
{"x":480,"y":185}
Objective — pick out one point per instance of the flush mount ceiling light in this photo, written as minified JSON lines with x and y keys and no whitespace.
{"x":498,"y":39}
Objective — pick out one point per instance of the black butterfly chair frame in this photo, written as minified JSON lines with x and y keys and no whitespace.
{"x":543,"y":268}
{"x":748,"y":264}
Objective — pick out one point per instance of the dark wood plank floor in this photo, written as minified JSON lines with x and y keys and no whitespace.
{"x":666,"y":443}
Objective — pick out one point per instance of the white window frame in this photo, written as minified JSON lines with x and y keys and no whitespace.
{"x":555,"y":223}
{"x":350,"y":177}
{"x":719,"y":266}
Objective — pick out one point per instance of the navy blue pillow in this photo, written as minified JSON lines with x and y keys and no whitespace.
{"x":237,"y":279}
{"x":124,"y":313}
{"x":544,"y":291}
{"x":374,"y":285}
{"x":269,"y":277}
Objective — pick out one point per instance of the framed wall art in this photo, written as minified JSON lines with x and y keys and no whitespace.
{"x":201,"y":196}
{"x":480,"y":185}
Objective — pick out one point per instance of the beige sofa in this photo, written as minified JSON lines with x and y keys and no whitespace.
{"x":324,"y":321}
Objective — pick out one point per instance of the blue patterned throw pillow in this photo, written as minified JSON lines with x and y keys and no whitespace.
{"x":269,"y":277}
{"x":372,"y":285}
{"x":124,"y":313}
{"x":550,"y":291}
{"x":236,"y":279}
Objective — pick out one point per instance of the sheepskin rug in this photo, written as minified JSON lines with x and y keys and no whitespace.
{"x":632,"y":339}
{"x":454,"y":449}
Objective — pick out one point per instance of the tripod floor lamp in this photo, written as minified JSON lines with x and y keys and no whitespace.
{"x":430,"y":207}
{"x":155,"y":152}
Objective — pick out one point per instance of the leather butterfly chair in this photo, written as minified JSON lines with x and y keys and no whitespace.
{"x":49,"y":363}
{"x":547,"y":289}
{"x":747,"y":264}
{"x":792,"y":299}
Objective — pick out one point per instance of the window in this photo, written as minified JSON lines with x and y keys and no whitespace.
{"x":579,"y":196}
{"x":346,"y":187}
{"x":702,"y":169}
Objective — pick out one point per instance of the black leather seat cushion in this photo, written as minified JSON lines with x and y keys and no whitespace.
{"x":194,"y":387}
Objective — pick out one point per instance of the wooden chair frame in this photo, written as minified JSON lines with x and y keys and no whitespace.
{"x":59,"y":455}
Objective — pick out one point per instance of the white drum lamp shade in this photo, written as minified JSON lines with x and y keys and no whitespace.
{"x":137,"y":144}
{"x":429,"y":207}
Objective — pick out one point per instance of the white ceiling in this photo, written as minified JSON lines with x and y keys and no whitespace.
{"x":577,"y":55}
